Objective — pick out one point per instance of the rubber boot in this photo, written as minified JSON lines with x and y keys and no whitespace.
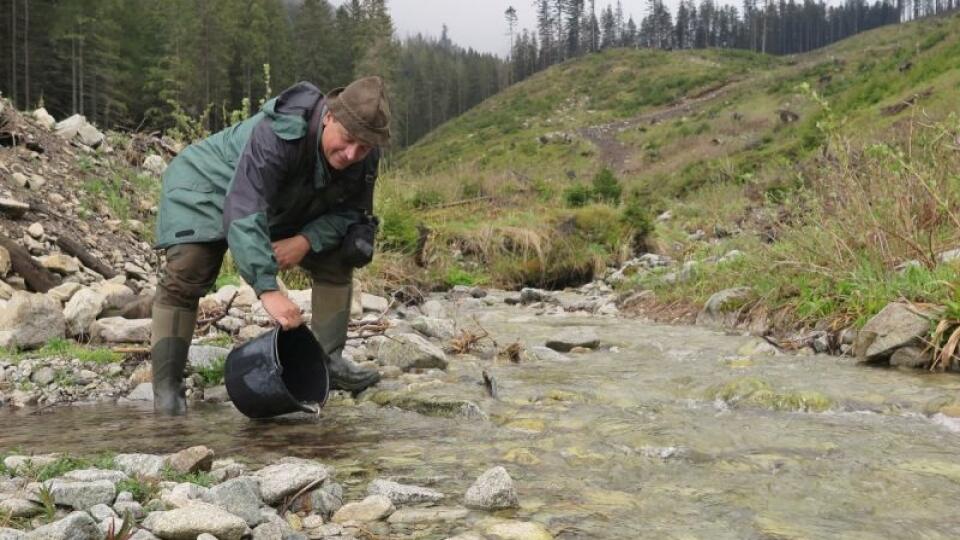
{"x":172,"y":331}
{"x":331,"y":315}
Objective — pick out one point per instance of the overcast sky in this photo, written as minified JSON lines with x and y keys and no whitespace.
{"x":480,"y":23}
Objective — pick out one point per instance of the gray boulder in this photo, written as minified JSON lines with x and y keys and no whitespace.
{"x":191,"y":521}
{"x":204,"y":356}
{"x":95,"y":475}
{"x":493,"y":490}
{"x":897,"y":325}
{"x":574,"y":337}
{"x":434,"y":514}
{"x":81,"y":495}
{"x":723,"y":308}
{"x":434,"y":328}
{"x":120,"y":330}
{"x":373,"y":508}
{"x":76,"y":526}
{"x":408,"y":351}
{"x":402,"y":494}
{"x":19,"y":508}
{"x":149,"y":465}
{"x":289,"y":476}
{"x":30,"y":320}
{"x":82,"y":309}
{"x":240,"y":497}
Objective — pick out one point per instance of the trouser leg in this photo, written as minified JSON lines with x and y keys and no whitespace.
{"x":330,"y":302}
{"x":190,"y":271}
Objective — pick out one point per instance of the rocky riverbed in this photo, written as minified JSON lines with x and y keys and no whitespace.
{"x":504,"y":415}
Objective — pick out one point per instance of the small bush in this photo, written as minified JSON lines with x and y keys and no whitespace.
{"x":213,"y":374}
{"x":606,"y":187}
{"x":471,"y":189}
{"x":398,"y":229}
{"x":425,"y":198}
{"x":460,"y":276}
{"x":577,"y":196}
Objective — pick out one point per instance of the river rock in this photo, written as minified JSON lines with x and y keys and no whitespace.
{"x":402,"y":494}
{"x":373,"y":508}
{"x":191,"y":460}
{"x":190,"y":521}
{"x":141,"y":392}
{"x":435,"y":309}
{"x":240,"y":497}
{"x":19,"y":464}
{"x":76,"y":526}
{"x":134,"y":508}
{"x":65,"y":291}
{"x":60,"y":263}
{"x":143,"y":534}
{"x":6,"y":292}
{"x":148,"y":465}
{"x":897,"y":325}
{"x":911,"y":356}
{"x":81,"y":495}
{"x":574,"y":337}
{"x":377,"y":304}
{"x":44,"y":118}
{"x":518,"y":530}
{"x":723,"y":307}
{"x":100,"y":512}
{"x":5,"y":262}
{"x":434,"y":328}
{"x":289,"y":476}
{"x":95,"y":475}
{"x":19,"y":508}
{"x":433,"y":514}
{"x":544,"y":354}
{"x":117,"y":295}
{"x":82,"y":309}
{"x":469,"y":535}
{"x":30,"y":320}
{"x":43,"y":376}
{"x":35,"y":230}
{"x":327,"y":500}
{"x":120,"y":330}
{"x":493,"y":490}
{"x":408,"y":351}
{"x":205,"y":356}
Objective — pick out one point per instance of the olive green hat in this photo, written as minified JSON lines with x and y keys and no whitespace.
{"x":363,"y":110}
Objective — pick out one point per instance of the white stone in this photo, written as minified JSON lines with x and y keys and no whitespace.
{"x":155,"y":164}
{"x":44,"y":118}
{"x":60,"y":263}
{"x":31,"y":320}
{"x":35,"y":230}
{"x":120,"y":330}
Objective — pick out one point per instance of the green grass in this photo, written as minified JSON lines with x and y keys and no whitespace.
{"x":64,"y":348}
{"x":213,"y":375}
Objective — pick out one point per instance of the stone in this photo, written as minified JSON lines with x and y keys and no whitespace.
{"x":574,"y":337}
{"x":327,"y":500}
{"x":5,"y":262}
{"x":35,"y":230}
{"x":155,"y":164}
{"x":117,"y":295}
{"x":19,"y":464}
{"x":722,"y":309}
{"x":377,"y":304}
{"x":493,"y":490}
{"x":518,"y":530}
{"x":197,"y":518}
{"x":206,"y":356}
{"x":6,"y":292}
{"x":37,"y":181}
{"x":897,"y":325}
{"x":81,"y":310}
{"x":183,"y":494}
{"x":911,"y":356}
{"x":19,"y":179}
{"x":269,"y":531}
{"x":288,"y":477}
{"x":239,"y":496}
{"x":141,"y":392}
{"x":402,"y":494}
{"x":76,"y":526}
{"x":543,"y":354}
{"x":81,"y":495}
{"x":19,"y":508}
{"x":101,"y":512}
{"x":44,"y":118}
{"x":434,"y":328}
{"x":408,"y":351}
{"x":43,"y":376}
{"x":191,"y":460}
{"x":90,"y":135}
{"x":134,"y":508}
{"x":434,"y":309}
{"x":373,"y":508}
{"x":434,"y":514}
{"x":65,"y":291}
{"x":148,"y":465}
{"x":530,"y":296}
{"x":31,"y":320}
{"x":251,"y":332}
{"x":69,"y":127}
{"x":120,"y":330}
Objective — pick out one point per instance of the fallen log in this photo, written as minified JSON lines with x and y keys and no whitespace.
{"x":72,"y":247}
{"x":37,"y":278}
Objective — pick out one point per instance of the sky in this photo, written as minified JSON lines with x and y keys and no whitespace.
{"x":480,"y":24}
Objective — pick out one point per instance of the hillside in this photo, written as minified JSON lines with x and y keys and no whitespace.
{"x":786,"y":159}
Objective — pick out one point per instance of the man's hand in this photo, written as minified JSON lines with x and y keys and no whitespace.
{"x":282,"y":309}
{"x":290,"y":251}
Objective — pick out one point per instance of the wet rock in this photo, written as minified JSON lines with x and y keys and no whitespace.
{"x":434,"y":328}
{"x":408,"y":351}
{"x":518,"y":530}
{"x":897,"y":325}
{"x":288,"y":477}
{"x":758,"y":347}
{"x":723,"y":307}
{"x":529,"y":295}
{"x":82,"y":309}
{"x":30,"y":320}
{"x":427,"y":405}
{"x":19,"y":508}
{"x":433,"y":514}
{"x":911,"y":356}
{"x":373,"y":508}
{"x":240,"y":497}
{"x":205,"y":356}
{"x":141,"y":392}
{"x":493,"y":490}
{"x":574,"y":337}
{"x":120,"y":330}
{"x":403,"y":494}
{"x":191,"y":460}
{"x":197,"y":518}
{"x":76,"y":526}
{"x":148,"y":465}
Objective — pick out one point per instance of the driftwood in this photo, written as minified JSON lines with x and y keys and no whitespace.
{"x":37,"y":278}
{"x":13,"y":208}
{"x":74,"y":248}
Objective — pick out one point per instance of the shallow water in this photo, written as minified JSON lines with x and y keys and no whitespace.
{"x":616,"y":443}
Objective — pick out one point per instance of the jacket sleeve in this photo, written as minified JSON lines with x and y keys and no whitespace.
{"x":327,"y":231}
{"x":262,"y":165}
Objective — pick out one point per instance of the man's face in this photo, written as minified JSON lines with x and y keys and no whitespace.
{"x":339,"y":147}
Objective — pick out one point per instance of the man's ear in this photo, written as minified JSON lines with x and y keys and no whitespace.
{"x":327,"y":118}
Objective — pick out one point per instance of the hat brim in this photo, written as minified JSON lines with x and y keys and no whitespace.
{"x":351,"y":124}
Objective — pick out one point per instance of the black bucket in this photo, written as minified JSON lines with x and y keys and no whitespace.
{"x":278,"y":372}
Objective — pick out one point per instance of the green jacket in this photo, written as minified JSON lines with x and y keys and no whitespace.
{"x":262,"y":180}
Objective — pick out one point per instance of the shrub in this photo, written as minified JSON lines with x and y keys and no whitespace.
{"x":398,"y":229}
{"x":638,"y":215}
{"x":606,"y":187}
{"x":425,"y":198}
{"x":577,"y":196}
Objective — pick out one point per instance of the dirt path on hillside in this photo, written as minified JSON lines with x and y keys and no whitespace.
{"x":615,"y":154}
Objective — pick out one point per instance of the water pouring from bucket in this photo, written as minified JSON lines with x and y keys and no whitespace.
{"x":279,"y":372}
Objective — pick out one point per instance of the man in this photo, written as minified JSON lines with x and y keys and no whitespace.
{"x":292,"y":185}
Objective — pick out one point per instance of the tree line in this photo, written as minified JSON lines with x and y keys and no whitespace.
{"x":131,"y":64}
{"x":570,"y":28}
